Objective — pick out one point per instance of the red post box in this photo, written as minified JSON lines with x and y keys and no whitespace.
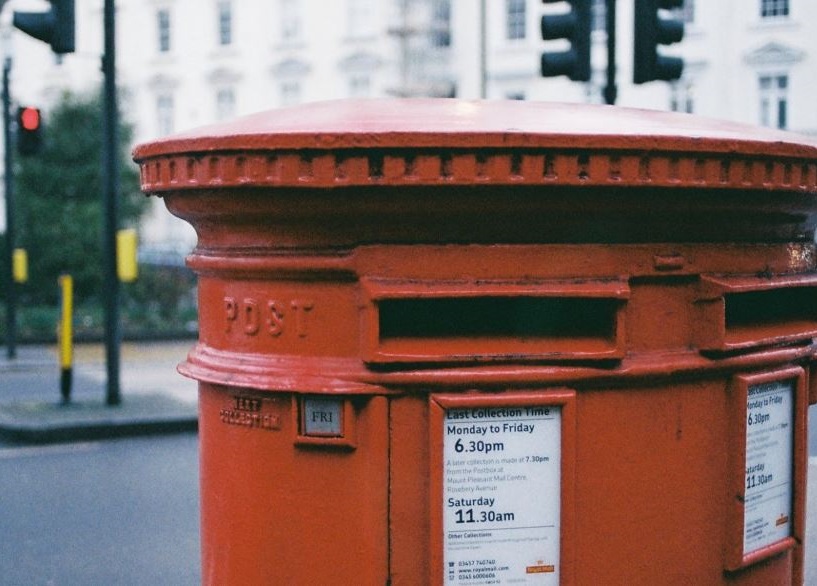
{"x":460,"y":343}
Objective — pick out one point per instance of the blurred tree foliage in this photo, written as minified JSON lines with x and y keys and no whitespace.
{"x":58,"y":195}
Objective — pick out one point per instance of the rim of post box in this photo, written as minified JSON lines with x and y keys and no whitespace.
{"x":444,"y":142}
{"x":321,"y":144}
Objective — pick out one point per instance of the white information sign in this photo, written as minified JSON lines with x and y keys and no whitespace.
{"x":502,"y":495}
{"x":769,"y":463}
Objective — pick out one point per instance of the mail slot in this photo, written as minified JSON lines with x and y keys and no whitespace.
{"x":439,"y":321}
{"x":746,"y":311}
{"x":451,"y":343}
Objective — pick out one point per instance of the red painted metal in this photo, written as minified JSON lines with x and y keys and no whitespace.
{"x":364,"y":264}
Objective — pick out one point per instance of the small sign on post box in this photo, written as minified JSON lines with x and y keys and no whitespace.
{"x":322,"y":417}
{"x":767,"y":516}
{"x":495,"y":458}
{"x":495,"y":453}
{"x":767,"y":466}
{"x":326,"y":421}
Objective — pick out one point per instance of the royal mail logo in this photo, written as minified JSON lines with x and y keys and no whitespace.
{"x":540,"y":568}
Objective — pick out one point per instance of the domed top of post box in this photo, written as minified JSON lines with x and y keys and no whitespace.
{"x":448,"y":141}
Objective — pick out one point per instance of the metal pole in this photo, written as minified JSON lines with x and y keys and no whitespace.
{"x":610,"y":90}
{"x":110,"y":173}
{"x":11,"y":287}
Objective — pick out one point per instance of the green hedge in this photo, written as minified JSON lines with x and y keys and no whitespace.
{"x":161,"y":304}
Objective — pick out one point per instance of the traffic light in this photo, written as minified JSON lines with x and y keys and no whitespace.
{"x":29,"y":130}
{"x":574,"y":26}
{"x":55,"y":26}
{"x":651,"y":31}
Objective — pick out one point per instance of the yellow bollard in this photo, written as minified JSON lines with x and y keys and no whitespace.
{"x":65,"y":335}
{"x":19,"y":265}
{"x":126,"y":265}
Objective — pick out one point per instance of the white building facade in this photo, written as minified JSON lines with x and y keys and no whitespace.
{"x":186,"y":63}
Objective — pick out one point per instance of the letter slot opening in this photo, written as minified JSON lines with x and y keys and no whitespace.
{"x":745,"y":312}
{"x":409,"y":321}
{"x":527,"y":318}
{"x":771,"y":314}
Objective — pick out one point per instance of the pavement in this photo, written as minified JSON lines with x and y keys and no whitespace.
{"x":154,"y":398}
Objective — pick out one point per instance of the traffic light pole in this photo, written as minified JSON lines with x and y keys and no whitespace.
{"x":110,"y":171}
{"x":611,"y":90}
{"x":11,"y":288}
{"x":483,"y":50}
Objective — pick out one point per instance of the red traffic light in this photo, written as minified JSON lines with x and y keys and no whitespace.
{"x":30,"y":119}
{"x":29,"y":130}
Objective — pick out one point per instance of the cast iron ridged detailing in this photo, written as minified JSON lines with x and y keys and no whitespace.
{"x":341,"y":169}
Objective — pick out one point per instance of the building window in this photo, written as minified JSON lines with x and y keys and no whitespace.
{"x":515,"y":19}
{"x":164,"y":114}
{"x":225,"y":104}
{"x":599,"y":15}
{"x":441,"y":24}
{"x":682,"y":97}
{"x":360,"y":86}
{"x":359,"y":14}
{"x":163,"y":29}
{"x":290,"y":20}
{"x":774,"y":100}
{"x":290,"y":93}
{"x":774,"y":8}
{"x":225,"y":23}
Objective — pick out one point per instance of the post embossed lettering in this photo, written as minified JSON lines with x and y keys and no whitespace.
{"x":270,"y":315}
{"x":230,"y":311}
{"x":251,"y":320}
{"x":275,"y":319}
{"x":302,"y":307}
